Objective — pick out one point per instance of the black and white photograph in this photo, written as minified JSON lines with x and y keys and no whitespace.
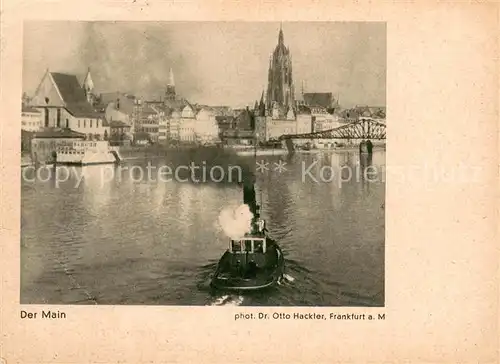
{"x":203,"y":163}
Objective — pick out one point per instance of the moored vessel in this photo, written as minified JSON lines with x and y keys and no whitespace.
{"x":85,"y":152}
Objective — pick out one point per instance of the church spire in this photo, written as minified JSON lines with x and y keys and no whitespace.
{"x":262,"y":105}
{"x":281,"y":39}
{"x":170,"y":91}
{"x":88,"y":87}
{"x":171,"y":81}
{"x":280,"y":90}
{"x":88,"y":84}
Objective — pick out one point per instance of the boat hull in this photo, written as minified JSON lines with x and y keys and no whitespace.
{"x":83,"y":163}
{"x":267,"y":277}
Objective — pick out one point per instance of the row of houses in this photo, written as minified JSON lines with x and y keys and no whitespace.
{"x":62,"y":102}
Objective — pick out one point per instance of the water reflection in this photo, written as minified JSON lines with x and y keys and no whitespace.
{"x":135,"y":241}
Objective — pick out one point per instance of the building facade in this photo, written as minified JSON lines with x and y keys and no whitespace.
{"x":187,"y":130}
{"x":207,"y":128}
{"x":267,"y":128}
{"x":149,"y":122}
{"x":119,"y":133}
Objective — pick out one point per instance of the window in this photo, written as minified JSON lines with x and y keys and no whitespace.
{"x":84,"y":123}
{"x":97,"y":123}
{"x":258,"y":246}
{"x":58,"y":118}
{"x":78,"y":123}
{"x":90,"y":122}
{"x":235,"y":246}
{"x":248,"y":245}
{"x":46,"y":114}
{"x":67,"y":123}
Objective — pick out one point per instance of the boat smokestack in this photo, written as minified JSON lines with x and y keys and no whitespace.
{"x":249,"y":197}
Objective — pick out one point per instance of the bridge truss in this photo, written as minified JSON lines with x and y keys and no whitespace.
{"x":365,"y":128}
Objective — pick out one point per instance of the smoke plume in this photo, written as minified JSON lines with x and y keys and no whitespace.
{"x":236,"y":222}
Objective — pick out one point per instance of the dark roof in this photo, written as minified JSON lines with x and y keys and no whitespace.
{"x":226,"y":118}
{"x":160,"y":108}
{"x":108,"y":97}
{"x":26,"y":108}
{"x":323,"y":99}
{"x":58,"y":133}
{"x":302,"y":109}
{"x":221,"y":110}
{"x":25,"y":133}
{"x":147,"y":109}
{"x":244,"y":119}
{"x":69,"y":87}
{"x":154,"y":103}
{"x":118,"y":124}
{"x":364,"y":111}
{"x":100,"y":107}
{"x":73,"y":95}
{"x":82,"y":110}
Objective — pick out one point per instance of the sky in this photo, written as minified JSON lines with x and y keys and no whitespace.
{"x":214,"y":63}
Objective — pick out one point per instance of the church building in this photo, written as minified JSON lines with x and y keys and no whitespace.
{"x":280,"y":96}
{"x":279,"y":113}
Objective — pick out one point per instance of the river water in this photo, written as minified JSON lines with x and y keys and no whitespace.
{"x":141,"y":241}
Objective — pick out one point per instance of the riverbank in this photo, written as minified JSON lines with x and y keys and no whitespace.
{"x":198,"y":153}
{"x":261,"y":152}
{"x":338,"y":149}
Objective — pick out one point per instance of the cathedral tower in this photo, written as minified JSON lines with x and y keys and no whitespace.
{"x":280,"y":89}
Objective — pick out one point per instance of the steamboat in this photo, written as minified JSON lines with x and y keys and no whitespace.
{"x":83,"y":152}
{"x":253,"y":262}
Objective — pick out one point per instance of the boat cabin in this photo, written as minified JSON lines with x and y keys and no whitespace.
{"x":248,"y":252}
{"x":248,"y":245}
{"x":81,"y":146}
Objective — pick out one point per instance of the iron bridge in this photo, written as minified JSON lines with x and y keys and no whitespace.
{"x":364,"y":128}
